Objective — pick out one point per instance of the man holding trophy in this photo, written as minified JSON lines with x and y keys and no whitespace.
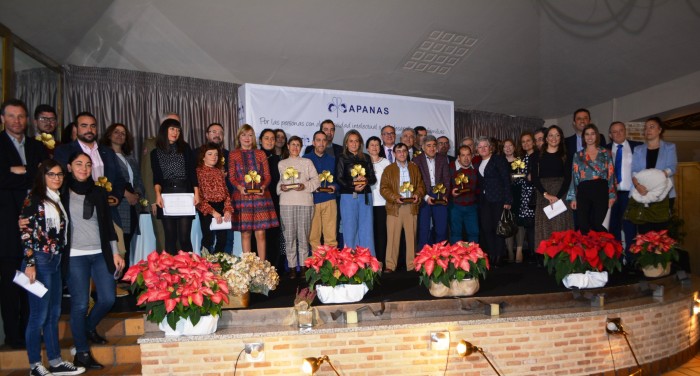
{"x":402,"y":187}
{"x":325,"y":207}
{"x":463,"y":213}
{"x":435,"y":170}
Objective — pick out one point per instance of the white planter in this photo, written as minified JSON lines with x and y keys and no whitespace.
{"x":341,"y":293}
{"x":656,"y":271}
{"x":588,"y":280}
{"x":465,"y":287}
{"x":184,"y":327}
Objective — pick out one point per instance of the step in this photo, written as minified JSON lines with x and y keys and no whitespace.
{"x":113,"y":325}
{"x":121,"y":369}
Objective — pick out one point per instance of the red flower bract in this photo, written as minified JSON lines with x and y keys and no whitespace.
{"x":331,"y":266}
{"x":442,"y":262}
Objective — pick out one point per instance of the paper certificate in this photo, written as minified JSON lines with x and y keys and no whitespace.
{"x":37,"y":288}
{"x":176,"y":204}
{"x":555,"y":209}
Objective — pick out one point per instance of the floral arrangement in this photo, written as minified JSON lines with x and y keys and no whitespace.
{"x":567,"y":252}
{"x":181,"y":286}
{"x":47,"y":140}
{"x":653,"y":248}
{"x":247,"y":273}
{"x":332,"y":266}
{"x":442,"y":262}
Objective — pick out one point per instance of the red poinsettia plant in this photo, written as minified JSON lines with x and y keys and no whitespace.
{"x":567,"y":252}
{"x":332,"y":266}
{"x":180,"y":286}
{"x":654,"y":248}
{"x":442,"y":262}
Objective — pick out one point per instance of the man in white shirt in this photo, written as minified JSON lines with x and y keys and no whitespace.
{"x":622,"y":151}
{"x":388,"y":140}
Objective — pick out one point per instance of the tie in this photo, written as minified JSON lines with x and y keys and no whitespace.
{"x":389,"y":155}
{"x":618,"y":164}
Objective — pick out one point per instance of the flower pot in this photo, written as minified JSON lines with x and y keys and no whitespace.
{"x":586,"y":280}
{"x":656,"y":271}
{"x":237,"y":301}
{"x":465,"y":287}
{"x":184,"y":327}
{"x":305,"y":318}
{"x":341,"y":293}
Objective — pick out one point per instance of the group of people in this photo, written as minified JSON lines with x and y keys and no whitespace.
{"x":86,"y":193}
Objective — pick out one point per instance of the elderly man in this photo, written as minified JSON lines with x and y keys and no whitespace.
{"x":443,"y":144}
{"x":408,"y":138}
{"x":388,"y":140}
{"x":19,"y":161}
{"x":435,"y":170}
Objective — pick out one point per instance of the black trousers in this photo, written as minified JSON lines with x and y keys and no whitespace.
{"x":379,"y":224}
{"x":490,"y":214}
{"x":591,"y":205}
{"x":14,"y":303}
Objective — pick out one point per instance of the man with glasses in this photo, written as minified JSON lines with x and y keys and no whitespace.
{"x":388,"y":140}
{"x":19,"y":161}
{"x":45,"y":119}
{"x":443,"y":144}
{"x":215,"y":135}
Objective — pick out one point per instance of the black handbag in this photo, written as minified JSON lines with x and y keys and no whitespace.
{"x":506,"y":225}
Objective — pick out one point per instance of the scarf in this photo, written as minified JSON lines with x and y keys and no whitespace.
{"x":51,"y":214}
{"x":83,"y":188}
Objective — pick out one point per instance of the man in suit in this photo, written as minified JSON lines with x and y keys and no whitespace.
{"x":444,"y":146}
{"x":104,"y":160}
{"x":435,"y":169}
{"x":334,"y":150}
{"x":622,"y":152}
{"x":494,"y":196}
{"x":401,"y":215}
{"x":20,"y":157}
{"x":408,"y":138}
{"x":388,"y":141}
{"x":421,"y":132}
{"x":575,"y":143}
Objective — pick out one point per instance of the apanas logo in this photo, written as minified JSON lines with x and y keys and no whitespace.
{"x":337,"y":106}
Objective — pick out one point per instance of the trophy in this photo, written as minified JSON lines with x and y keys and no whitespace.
{"x":417,"y":153}
{"x":440,"y":189}
{"x":47,"y":140}
{"x":406,"y":192}
{"x":517,"y":165}
{"x":252,"y":178}
{"x":325,"y":177}
{"x":460,"y":180}
{"x":290,"y":173}
{"x":103,"y":182}
{"x":356,"y":172}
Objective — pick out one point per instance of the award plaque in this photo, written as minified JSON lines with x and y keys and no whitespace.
{"x":290,"y":173}
{"x":460,"y":181}
{"x":252,"y":178}
{"x":406,"y":193}
{"x":325,"y":177}
{"x":440,"y":189}
{"x":356,"y":172}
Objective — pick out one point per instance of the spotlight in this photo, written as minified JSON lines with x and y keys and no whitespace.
{"x":696,"y":306}
{"x":614,"y":326}
{"x":439,"y":340}
{"x":311,"y":365}
{"x":465,"y":349}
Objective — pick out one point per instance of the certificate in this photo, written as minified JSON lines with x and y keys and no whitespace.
{"x":177,"y":204}
{"x":37,"y":288}
{"x":555,"y":209}
{"x":219,"y":226}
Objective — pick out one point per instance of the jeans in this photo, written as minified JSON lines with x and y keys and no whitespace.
{"x":44,"y":312}
{"x":358,"y":227}
{"x":464,"y":218}
{"x":438,"y":214}
{"x":82,"y":268}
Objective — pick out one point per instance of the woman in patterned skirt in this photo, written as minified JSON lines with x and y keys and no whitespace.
{"x":253,"y":212}
{"x":526,"y":209}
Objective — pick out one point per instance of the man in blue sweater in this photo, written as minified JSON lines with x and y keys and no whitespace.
{"x":324,"y":221}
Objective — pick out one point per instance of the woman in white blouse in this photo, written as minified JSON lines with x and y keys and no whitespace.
{"x":374,"y":145}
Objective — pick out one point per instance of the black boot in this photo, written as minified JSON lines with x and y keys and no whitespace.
{"x":85,"y":359}
{"x":95,"y":338}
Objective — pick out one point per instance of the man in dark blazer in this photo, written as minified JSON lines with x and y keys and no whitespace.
{"x":388,"y":140}
{"x":434,"y":169}
{"x":494,"y":196}
{"x":87,"y":142}
{"x":328,"y":127}
{"x":574,"y":143}
{"x":622,"y":151}
{"x":20,"y":157}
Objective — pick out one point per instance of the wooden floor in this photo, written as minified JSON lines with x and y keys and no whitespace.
{"x":692,"y":368}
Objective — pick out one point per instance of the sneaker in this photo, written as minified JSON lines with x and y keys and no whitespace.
{"x":66,"y":368}
{"x":40,"y":370}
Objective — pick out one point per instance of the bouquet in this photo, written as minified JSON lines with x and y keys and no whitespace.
{"x":441,"y":263}
{"x":654,"y":248}
{"x":331,"y":266}
{"x":182,"y":286}
{"x":247,"y":273}
{"x":567,"y":252}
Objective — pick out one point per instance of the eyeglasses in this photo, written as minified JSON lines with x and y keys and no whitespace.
{"x":47,"y":119}
{"x":55,"y":175}
{"x":389,"y":134}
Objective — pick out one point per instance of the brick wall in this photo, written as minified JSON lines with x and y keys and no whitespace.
{"x":557,"y":345}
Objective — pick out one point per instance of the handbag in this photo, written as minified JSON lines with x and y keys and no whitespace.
{"x":506,"y":225}
{"x":655,"y":212}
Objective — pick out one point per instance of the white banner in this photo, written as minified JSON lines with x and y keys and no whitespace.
{"x":300,"y":111}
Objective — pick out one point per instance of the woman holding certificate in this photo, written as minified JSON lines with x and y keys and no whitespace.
{"x":44,"y":240}
{"x":215,"y":204}
{"x":551,"y":176}
{"x":174,"y":174}
{"x":298,"y":181}
{"x":249,"y":173}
